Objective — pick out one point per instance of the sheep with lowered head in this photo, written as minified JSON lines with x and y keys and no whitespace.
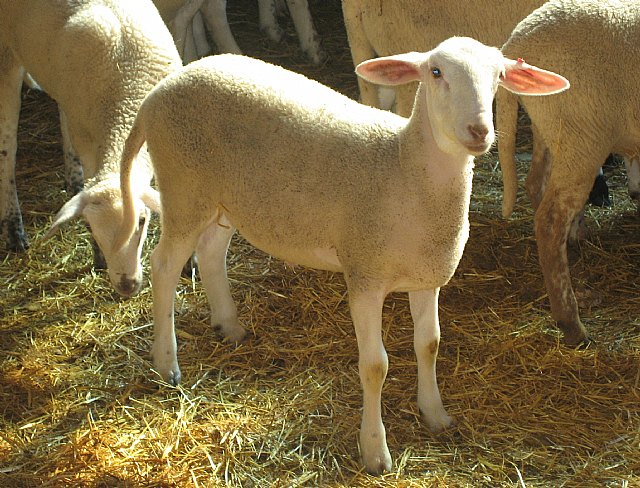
{"x":98,"y":59}
{"x":579,"y":128}
{"x":320,"y":180}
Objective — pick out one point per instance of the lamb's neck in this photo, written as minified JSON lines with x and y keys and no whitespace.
{"x":421,"y":155}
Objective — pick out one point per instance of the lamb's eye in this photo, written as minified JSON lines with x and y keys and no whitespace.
{"x":436,"y":72}
{"x":141,"y":222}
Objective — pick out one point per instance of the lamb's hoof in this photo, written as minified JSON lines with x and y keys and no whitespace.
{"x":172,"y":377}
{"x":379,"y":464}
{"x":437,"y":421}
{"x":236,"y":335}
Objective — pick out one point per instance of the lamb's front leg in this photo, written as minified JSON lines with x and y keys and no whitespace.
{"x":166,"y":264}
{"x":424,"y":310}
{"x":366,"y":312}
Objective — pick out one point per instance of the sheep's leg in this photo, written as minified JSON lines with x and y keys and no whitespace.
{"x":74,"y":180}
{"x":211,"y":253}
{"x":267,"y":11}
{"x":538,"y":174}
{"x":181,"y":22}
{"x":73,"y":174}
{"x":167,"y":260}
{"x":215,"y":16}
{"x":361,"y":50}
{"x":307,"y":34}
{"x":11,"y":225}
{"x":632,"y":165}
{"x":200,"y":36}
{"x":426,"y":340}
{"x":563,"y":200}
{"x":190,"y":53}
{"x":366,"y":312}
{"x":405,"y":97}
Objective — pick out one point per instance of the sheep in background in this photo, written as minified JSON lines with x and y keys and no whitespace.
{"x":598,"y":116}
{"x":98,"y":59}
{"x":320,"y":180}
{"x":185,"y":20}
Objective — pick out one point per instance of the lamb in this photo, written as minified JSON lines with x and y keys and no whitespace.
{"x":323,"y":181}
{"x":579,"y":128}
{"x":384,"y":27}
{"x":98,"y":59}
{"x":184,"y":17}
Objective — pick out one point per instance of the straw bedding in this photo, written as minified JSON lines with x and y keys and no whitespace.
{"x":80,"y":405}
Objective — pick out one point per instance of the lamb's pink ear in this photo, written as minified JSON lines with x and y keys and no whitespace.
{"x":391,"y":70}
{"x":524,"y":79}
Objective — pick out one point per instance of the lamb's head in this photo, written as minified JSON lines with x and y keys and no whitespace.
{"x":458,"y":81}
{"x":100,"y":205}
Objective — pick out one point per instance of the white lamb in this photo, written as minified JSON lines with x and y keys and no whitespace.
{"x":320,"y":180}
{"x":598,"y":116}
{"x":387,"y":27}
{"x":98,"y":59}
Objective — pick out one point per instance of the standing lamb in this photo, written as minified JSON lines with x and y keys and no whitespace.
{"x":387,"y":27}
{"x":98,"y":59}
{"x":320,"y":180}
{"x":598,"y":116}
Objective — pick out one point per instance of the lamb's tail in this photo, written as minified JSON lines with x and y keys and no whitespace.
{"x":506,"y":124}
{"x":132,"y":146}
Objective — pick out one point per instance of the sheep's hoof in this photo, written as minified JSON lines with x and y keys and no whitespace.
{"x":378,"y":464}
{"x":437,"y":421}
{"x":18,"y":242}
{"x":234,"y":335}
{"x":575,"y":335}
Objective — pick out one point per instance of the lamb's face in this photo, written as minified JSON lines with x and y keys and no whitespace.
{"x":104,"y":216}
{"x":460,"y":80}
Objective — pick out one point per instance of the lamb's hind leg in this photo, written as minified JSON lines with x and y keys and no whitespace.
{"x":166,"y":264}
{"x":211,"y":253}
{"x":365,"y":303}
{"x":424,"y":311}
{"x":11,"y":226}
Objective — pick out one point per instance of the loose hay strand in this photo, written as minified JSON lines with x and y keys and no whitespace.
{"x":82,"y":407}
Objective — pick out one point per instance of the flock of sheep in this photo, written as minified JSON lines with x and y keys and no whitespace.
{"x":309,"y":175}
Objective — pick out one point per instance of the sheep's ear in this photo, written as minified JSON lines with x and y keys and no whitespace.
{"x":151,"y":198}
{"x":391,"y":70}
{"x":70,"y":210}
{"x":524,"y":79}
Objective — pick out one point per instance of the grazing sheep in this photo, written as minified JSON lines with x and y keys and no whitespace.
{"x":179,"y":14}
{"x":320,"y":180}
{"x":579,"y":128}
{"x":98,"y":59}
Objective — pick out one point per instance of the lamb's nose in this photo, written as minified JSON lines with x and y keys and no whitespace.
{"x":127,"y":287}
{"x":478,"y":132}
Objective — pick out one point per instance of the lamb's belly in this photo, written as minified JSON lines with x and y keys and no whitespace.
{"x":316,"y":258}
